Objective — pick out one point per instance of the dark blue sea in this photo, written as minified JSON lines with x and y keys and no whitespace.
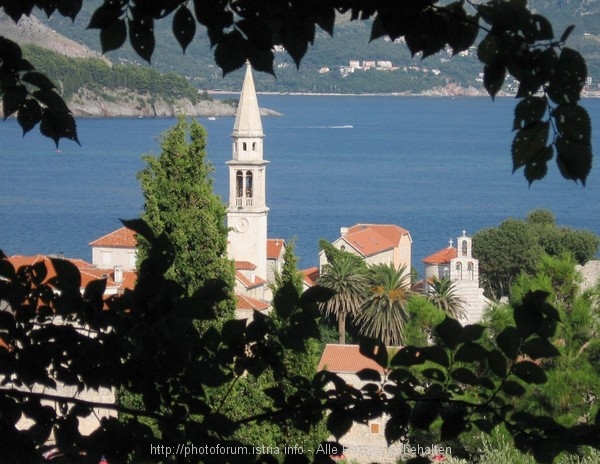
{"x":435,"y":166}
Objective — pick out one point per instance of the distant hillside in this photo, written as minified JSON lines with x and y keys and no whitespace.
{"x":33,"y":32}
{"x":92,"y":86}
{"x":326,"y":67}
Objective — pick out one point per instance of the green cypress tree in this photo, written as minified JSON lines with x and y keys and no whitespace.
{"x":179,"y":200}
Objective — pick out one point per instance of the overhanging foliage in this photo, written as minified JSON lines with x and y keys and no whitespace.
{"x":549,"y":122}
{"x":147,"y":340}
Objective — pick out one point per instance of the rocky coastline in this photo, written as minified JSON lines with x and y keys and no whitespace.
{"x":87,"y":103}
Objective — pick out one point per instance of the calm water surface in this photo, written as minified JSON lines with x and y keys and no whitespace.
{"x":434,"y":166}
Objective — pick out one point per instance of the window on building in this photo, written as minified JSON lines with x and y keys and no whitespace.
{"x":374,"y":427}
{"x":253,"y":146}
{"x":470,"y":270}
{"x":239,"y":184}
{"x":244,"y":146}
{"x":249,"y":184}
{"x":459,"y":271}
{"x":106,"y":257}
{"x":464,"y":248}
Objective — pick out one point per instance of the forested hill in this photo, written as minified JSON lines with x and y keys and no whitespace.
{"x":93,"y":86}
{"x":327,"y":65}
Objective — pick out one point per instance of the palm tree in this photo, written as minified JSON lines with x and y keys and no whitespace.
{"x":442,"y":293}
{"x":384,"y":313}
{"x":348,"y":282}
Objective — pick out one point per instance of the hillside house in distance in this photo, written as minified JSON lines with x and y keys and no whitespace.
{"x":459,"y":265}
{"x":376,"y":244}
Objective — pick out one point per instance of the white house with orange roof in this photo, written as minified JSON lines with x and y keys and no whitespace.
{"x":275,"y":251}
{"x":459,"y":265}
{"x":247,"y":283}
{"x":117,"y":248}
{"x":376,"y":244}
{"x":363,"y":443}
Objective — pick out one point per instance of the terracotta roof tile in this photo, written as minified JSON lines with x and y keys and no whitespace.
{"x":310,"y":275}
{"x":122,"y":237}
{"x":275,"y":248}
{"x":371,"y":239}
{"x":442,"y":256}
{"x":368,"y":242}
{"x":392,"y":232}
{"x":345,"y":359}
{"x":247,"y":282}
{"x":246,"y":302}
{"x":88,"y":271}
{"x":244,"y":266}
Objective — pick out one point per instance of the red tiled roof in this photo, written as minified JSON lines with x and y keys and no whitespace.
{"x":18,"y":261}
{"x":442,"y":256}
{"x":128,"y":281}
{"x":244,"y":266}
{"x":345,"y":359}
{"x":370,"y":239}
{"x":310,"y":275}
{"x":88,"y":271}
{"x":247,"y":283}
{"x":274,"y":247}
{"x":122,"y":237}
{"x":246,"y":302}
{"x":392,"y":232}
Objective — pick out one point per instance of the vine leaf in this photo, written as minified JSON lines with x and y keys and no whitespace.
{"x":573,"y":123}
{"x":567,"y":33}
{"x":29,"y":115}
{"x":113,"y":37}
{"x":530,"y":372}
{"x":38,"y":79}
{"x":509,"y":342}
{"x":529,"y":111}
{"x":105,"y":15}
{"x":537,"y":348}
{"x":449,"y":331}
{"x":141,"y":34}
{"x":529,"y":148}
{"x":184,"y":27}
{"x":375,"y":350}
{"x":574,"y":159}
{"x":567,"y":80}
{"x":230,"y":52}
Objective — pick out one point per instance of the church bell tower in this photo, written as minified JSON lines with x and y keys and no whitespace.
{"x":247,"y":211}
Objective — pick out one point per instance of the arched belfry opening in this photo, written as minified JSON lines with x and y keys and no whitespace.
{"x":249,"y":186}
{"x":239,"y":187}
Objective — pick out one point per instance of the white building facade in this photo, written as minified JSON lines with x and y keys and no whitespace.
{"x":459,"y":265}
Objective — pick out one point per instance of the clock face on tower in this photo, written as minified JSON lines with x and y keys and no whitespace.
{"x":241,"y":225}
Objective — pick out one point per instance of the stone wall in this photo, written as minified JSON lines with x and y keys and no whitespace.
{"x":590,"y":273}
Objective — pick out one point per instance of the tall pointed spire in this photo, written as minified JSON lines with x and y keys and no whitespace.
{"x":247,"y":119}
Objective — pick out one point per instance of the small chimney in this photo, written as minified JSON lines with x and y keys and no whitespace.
{"x":118,"y":274}
{"x":343,"y":231}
